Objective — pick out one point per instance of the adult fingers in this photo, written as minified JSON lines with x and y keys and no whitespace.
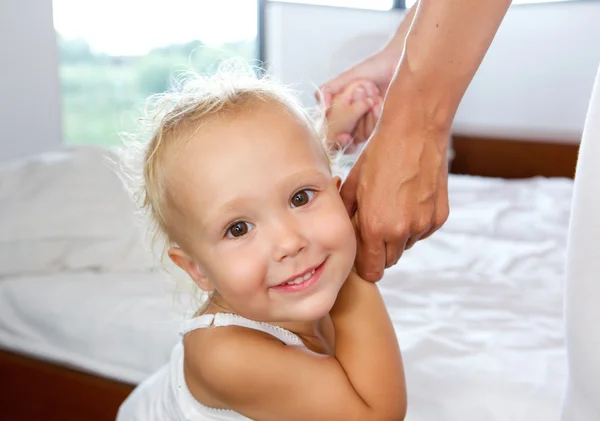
{"x":392,"y":255}
{"x":337,"y":84}
{"x":439,"y":217}
{"x":370,"y":256}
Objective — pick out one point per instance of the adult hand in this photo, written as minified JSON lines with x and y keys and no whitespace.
{"x":378,"y":68}
{"x":397,"y":193}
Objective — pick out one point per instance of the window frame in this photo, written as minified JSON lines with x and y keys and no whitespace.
{"x":261,"y":33}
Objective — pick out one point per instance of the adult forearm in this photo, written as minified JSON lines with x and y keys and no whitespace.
{"x":396,"y":44}
{"x":444,"y":48}
{"x":367,"y":348}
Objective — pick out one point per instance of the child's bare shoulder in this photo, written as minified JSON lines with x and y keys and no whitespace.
{"x":208,"y":351}
{"x":215,"y":359}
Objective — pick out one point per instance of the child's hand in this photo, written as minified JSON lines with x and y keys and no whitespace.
{"x":366,"y":125}
{"x":349,"y":111}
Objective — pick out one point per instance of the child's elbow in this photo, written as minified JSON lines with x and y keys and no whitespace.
{"x":399,"y":414}
{"x":393,"y":412}
{"x":397,"y":410}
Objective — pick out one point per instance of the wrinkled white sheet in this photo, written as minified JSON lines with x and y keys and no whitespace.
{"x":477,"y":309}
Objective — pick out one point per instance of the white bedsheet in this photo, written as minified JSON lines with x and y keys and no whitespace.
{"x":477,"y":309}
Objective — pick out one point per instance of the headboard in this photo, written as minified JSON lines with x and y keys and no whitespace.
{"x":513,"y":158}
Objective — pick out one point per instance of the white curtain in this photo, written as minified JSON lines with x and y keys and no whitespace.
{"x":582,"y":306}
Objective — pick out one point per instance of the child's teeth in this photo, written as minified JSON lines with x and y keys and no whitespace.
{"x":301,"y":279}
{"x":296,"y":281}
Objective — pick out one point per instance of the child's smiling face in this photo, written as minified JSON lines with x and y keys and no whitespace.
{"x":252,"y":203}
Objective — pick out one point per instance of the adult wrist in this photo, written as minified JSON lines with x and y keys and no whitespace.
{"x":416,"y":103}
{"x":391,"y":53}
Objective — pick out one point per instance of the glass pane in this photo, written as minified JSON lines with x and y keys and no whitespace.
{"x":360,"y":4}
{"x":114,"y":53}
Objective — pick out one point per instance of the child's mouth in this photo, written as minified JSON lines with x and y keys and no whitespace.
{"x":302,"y":282}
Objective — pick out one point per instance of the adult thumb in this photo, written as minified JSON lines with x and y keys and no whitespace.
{"x":348,"y":190}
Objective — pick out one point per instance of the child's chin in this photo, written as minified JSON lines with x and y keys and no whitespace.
{"x":315,"y":307}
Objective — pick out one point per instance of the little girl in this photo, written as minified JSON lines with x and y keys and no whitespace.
{"x":238,"y":182}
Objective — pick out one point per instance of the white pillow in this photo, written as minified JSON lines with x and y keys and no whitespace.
{"x":67,"y":210}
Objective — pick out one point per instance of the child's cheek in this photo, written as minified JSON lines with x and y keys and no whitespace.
{"x":248,"y":270}
{"x":241,"y":266}
{"x":335,"y":230}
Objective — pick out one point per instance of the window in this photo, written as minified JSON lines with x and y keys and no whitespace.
{"x":114,"y":53}
{"x":359,"y":4}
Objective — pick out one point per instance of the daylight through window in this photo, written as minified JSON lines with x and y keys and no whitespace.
{"x":114,"y":53}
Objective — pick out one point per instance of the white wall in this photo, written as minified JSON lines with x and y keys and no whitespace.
{"x":534,"y":83}
{"x":30,"y":107}
{"x":303,"y":40}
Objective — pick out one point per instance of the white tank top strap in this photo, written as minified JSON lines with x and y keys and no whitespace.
{"x":229,"y":319}
{"x":199,"y":322}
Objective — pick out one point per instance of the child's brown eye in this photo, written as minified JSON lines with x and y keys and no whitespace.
{"x":302,"y":197}
{"x":239,"y":229}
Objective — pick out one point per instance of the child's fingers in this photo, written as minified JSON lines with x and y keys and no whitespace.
{"x":344,"y":139}
{"x":360,"y":108}
{"x":377,"y":108}
{"x":325,"y":97}
{"x":355,"y":91}
{"x":347,"y":110}
{"x":371,"y":122}
{"x":363,"y":129}
{"x":359,"y":130}
{"x":359,"y":95}
{"x":344,"y":119}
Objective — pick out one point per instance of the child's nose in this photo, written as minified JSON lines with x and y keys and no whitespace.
{"x":288,"y":242}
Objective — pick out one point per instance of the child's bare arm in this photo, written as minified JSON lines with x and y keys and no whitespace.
{"x":367,"y":347}
{"x":268,"y":381}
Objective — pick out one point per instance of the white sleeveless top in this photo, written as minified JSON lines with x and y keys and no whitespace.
{"x":164,"y":396}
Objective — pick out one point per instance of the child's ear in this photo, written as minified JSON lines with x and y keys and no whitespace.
{"x":186,"y":263}
{"x":338,"y":182}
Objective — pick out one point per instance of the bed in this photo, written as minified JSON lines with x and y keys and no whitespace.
{"x":85,"y":314}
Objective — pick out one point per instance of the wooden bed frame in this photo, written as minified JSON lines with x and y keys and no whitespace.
{"x":514,"y":158}
{"x":32,"y":390}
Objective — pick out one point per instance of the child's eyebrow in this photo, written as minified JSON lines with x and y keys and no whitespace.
{"x":293,"y":181}
{"x":311,"y":175}
{"x":217,"y":213}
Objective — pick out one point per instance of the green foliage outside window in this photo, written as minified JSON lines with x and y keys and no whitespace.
{"x":103,"y":95}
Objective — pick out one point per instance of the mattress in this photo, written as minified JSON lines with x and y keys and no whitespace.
{"x":477,"y":309}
